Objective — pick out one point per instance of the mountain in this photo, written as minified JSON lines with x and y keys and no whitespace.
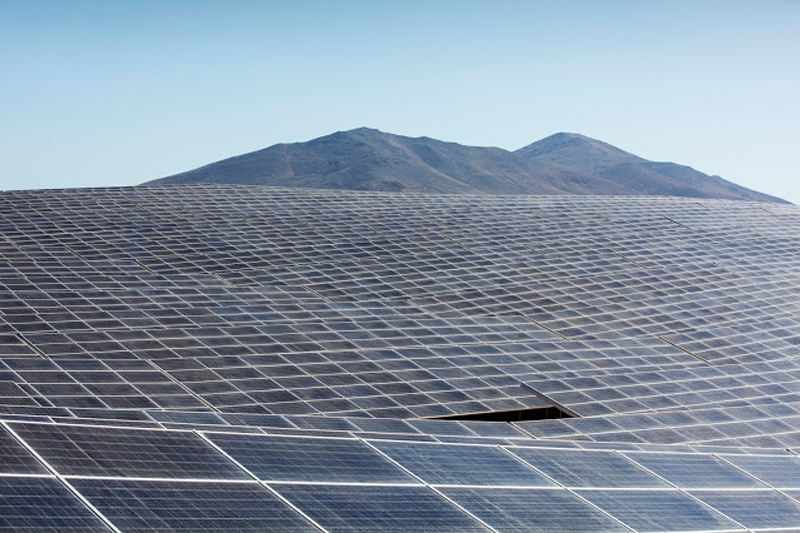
{"x":583,"y":165}
{"x":369,"y":159}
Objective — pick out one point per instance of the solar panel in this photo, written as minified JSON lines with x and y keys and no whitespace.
{"x":107,"y":451}
{"x":689,"y":471}
{"x":588,"y":468}
{"x":43,"y":504}
{"x":136,"y":505}
{"x":279,"y":458}
{"x":543,"y":510}
{"x":777,"y":471}
{"x":452,"y":464}
{"x":378,"y":508}
{"x":753,"y":509}
{"x":15,"y":459}
{"x":658,"y":510}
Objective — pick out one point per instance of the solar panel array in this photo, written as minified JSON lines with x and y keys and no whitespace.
{"x":69,"y":476}
{"x":244,"y":358}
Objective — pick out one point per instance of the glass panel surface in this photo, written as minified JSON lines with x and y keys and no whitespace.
{"x":43,"y":504}
{"x":15,"y":459}
{"x":753,"y":509}
{"x":190,"y":506}
{"x":694,"y":471}
{"x":779,"y":472}
{"x":658,"y":510}
{"x":363,"y":508}
{"x":541,"y":510}
{"x":451,"y":464}
{"x":578,"y":468}
{"x":310,"y":459}
{"x":104,"y":451}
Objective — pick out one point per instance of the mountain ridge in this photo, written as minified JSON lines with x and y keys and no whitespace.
{"x":370,"y":159}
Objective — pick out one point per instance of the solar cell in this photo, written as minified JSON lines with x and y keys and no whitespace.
{"x":385,"y":425}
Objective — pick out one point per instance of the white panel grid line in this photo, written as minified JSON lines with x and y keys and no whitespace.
{"x":162,"y":479}
{"x":43,"y":476}
{"x":339,"y":483}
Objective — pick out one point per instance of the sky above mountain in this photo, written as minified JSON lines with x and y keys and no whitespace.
{"x":101,"y":93}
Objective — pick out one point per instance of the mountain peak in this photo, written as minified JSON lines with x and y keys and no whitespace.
{"x":573,"y":144}
{"x":355,"y":132}
{"x":566,"y":135}
{"x":364,"y":130}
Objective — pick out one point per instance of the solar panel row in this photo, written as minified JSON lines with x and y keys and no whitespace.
{"x":133,"y":476}
{"x":187,"y":340}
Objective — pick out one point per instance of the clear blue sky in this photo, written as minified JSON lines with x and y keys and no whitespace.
{"x":104,"y":92}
